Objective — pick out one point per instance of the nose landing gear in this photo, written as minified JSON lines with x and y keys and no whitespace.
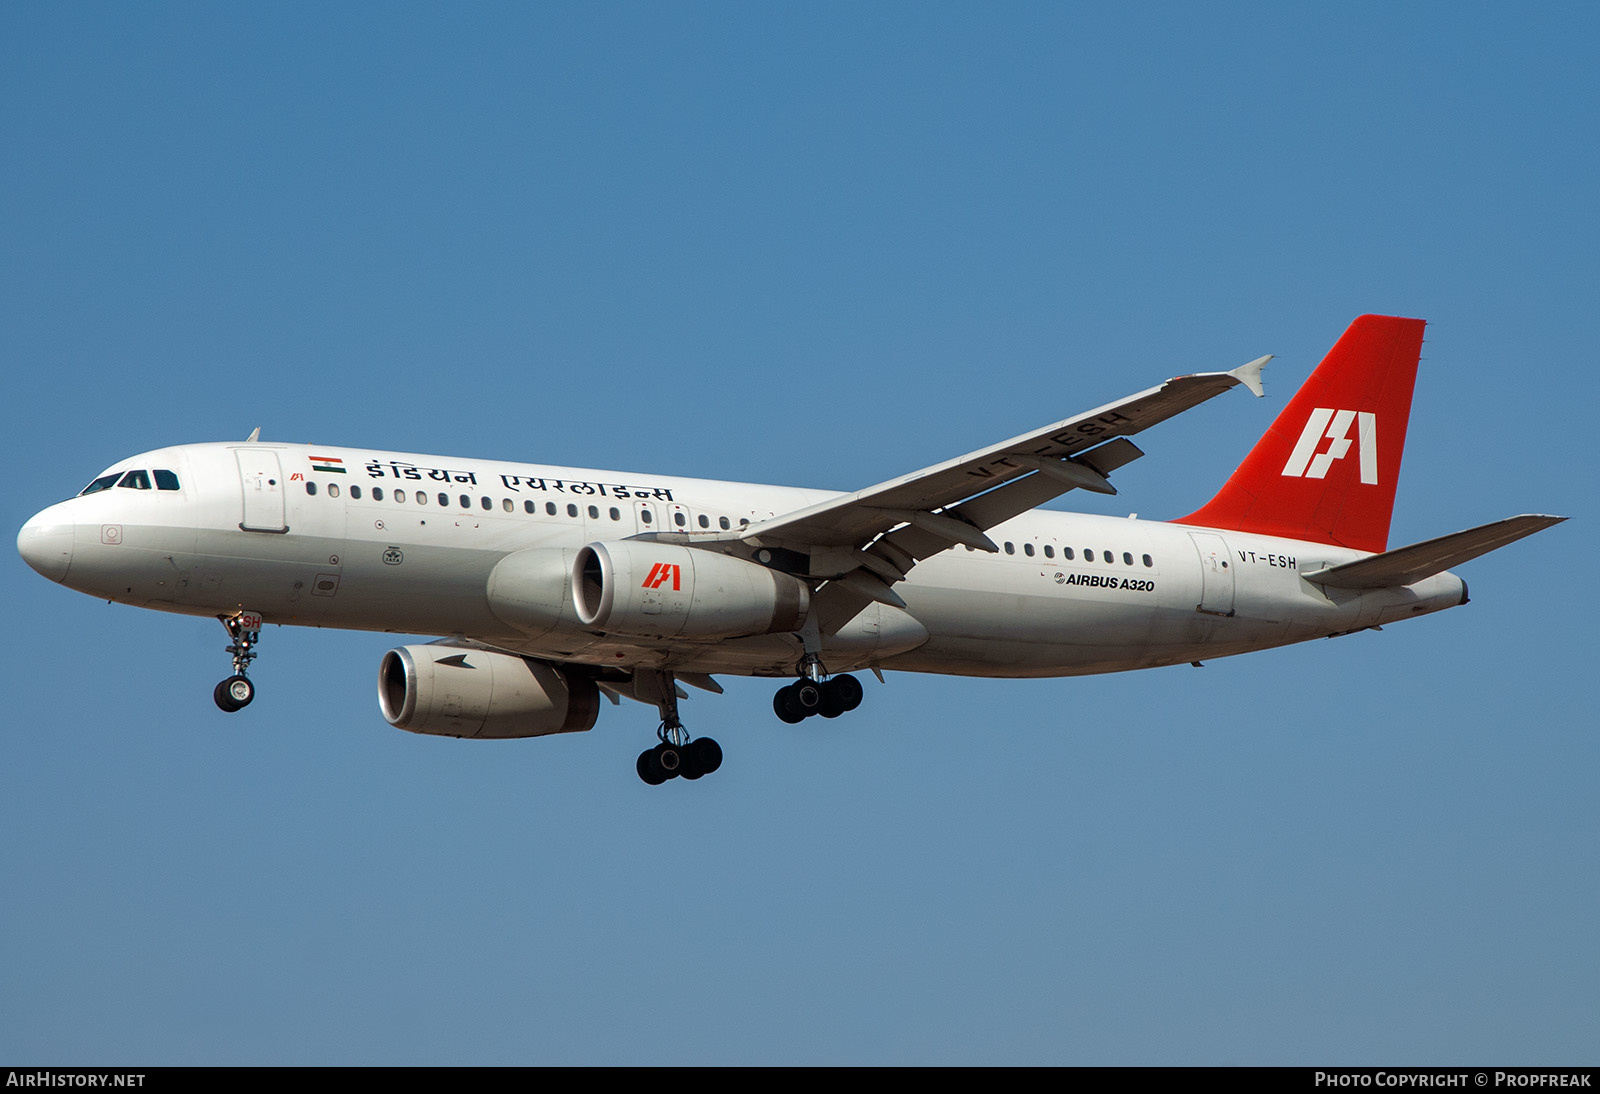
{"x":236,"y":692}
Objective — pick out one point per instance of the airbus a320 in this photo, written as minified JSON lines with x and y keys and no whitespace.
{"x":553,"y":586}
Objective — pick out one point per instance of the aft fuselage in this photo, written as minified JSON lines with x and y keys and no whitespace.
{"x":404,"y":543}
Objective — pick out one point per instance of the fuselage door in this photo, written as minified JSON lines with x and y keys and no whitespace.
{"x":1216,"y":576}
{"x":261,"y":479}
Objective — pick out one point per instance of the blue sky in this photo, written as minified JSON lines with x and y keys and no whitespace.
{"x":823,"y":245}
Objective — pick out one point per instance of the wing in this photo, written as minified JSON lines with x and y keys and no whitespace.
{"x":862,"y":543}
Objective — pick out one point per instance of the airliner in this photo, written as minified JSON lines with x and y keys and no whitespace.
{"x":555,"y":586}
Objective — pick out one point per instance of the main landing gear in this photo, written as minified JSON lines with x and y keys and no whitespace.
{"x":811,"y":694}
{"x":677,"y":755}
{"x":236,"y":691}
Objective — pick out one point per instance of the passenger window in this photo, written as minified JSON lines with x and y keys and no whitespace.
{"x":466,"y":502}
{"x":615,"y":515}
{"x":644,"y":515}
{"x":677,"y":518}
{"x":135,"y":480}
{"x":486,"y":503}
{"x":1067,"y":553}
{"x":1127,"y":558}
{"x":1088,"y":555}
{"x":572,"y":510}
{"x":505,"y":503}
{"x":1027,"y":549}
{"x":550,"y":508}
{"x":1010,"y":549}
{"x":594,"y":512}
{"x":722,"y":522}
{"x":333,"y":490}
{"x":705,"y":521}
{"x":529,"y":507}
{"x":377,"y":493}
{"x":1109,"y":556}
{"x":1049,"y":551}
{"x":399,"y":496}
{"x":355,"y":492}
{"x":444,"y":500}
{"x":1148,"y":561}
{"x":311,"y":488}
{"x":166,"y":480}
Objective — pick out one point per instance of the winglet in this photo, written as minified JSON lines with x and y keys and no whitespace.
{"x":255,"y":435}
{"x":1250,"y":375}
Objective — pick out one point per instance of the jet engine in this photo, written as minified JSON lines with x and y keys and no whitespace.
{"x":531,"y":590}
{"x":656,"y":590}
{"x":450,"y":691}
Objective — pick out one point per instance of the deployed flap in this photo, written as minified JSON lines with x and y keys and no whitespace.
{"x":1406,"y":565}
{"x":854,"y":519}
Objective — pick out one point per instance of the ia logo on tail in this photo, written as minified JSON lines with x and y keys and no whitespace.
{"x":1303,"y":464}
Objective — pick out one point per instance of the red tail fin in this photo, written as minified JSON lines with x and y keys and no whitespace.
{"x":1326,"y":471}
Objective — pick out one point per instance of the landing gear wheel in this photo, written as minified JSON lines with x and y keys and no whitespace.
{"x":847,"y":692}
{"x":807,"y":696}
{"x":234,"y":693}
{"x":786,"y":707}
{"x":648,"y":771}
{"x":704,"y":756}
{"x":668,"y":760}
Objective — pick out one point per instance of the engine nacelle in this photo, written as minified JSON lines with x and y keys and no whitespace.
{"x":454,"y":692}
{"x":657,"y":590}
{"x":531,"y":590}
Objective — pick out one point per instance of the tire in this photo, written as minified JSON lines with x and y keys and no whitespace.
{"x":848,"y":690}
{"x":652,"y":775}
{"x":668,"y":761}
{"x":234,"y":693}
{"x":807,"y":696}
{"x":706,"y":755}
{"x":784,"y":706}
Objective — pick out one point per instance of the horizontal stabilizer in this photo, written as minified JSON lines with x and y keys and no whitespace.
{"x":1407,"y":565}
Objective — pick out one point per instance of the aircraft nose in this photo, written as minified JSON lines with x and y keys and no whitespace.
{"x":45,"y":543}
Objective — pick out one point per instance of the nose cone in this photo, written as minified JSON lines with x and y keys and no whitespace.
{"x":45,"y":543}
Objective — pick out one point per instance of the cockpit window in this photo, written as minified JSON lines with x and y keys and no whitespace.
{"x":104,"y":482}
{"x":166,"y":480}
{"x":136,"y":480}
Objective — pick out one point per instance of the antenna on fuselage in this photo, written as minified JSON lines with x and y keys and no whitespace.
{"x":255,"y":435}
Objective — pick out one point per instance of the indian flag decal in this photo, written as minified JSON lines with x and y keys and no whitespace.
{"x":327,"y":463}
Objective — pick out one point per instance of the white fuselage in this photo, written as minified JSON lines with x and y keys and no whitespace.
{"x":408,"y":543}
